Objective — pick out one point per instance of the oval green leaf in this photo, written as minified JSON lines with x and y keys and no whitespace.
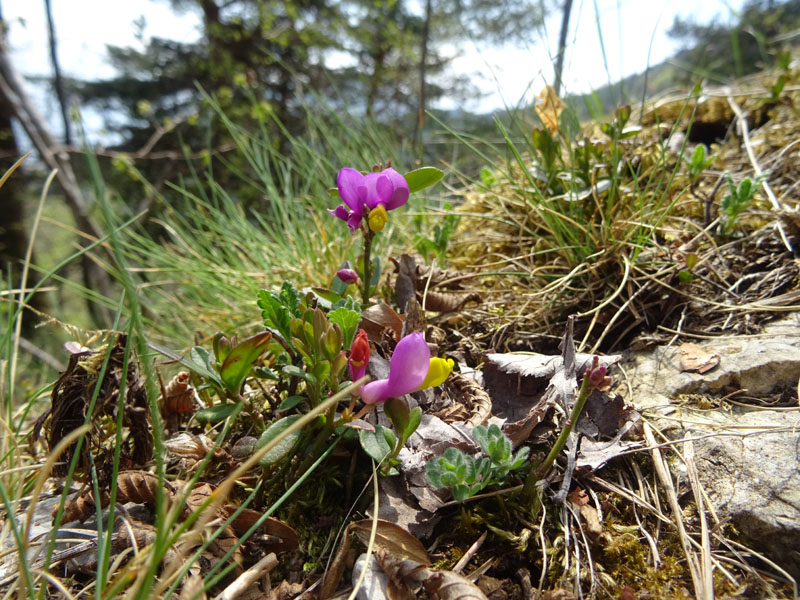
{"x":215,"y":414}
{"x":419,"y":179}
{"x":277,"y":431}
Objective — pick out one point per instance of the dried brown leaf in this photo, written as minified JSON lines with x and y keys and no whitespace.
{"x":549,"y":108}
{"x":393,"y":539}
{"x":698,"y":359}
{"x":333,"y":574}
{"x":178,"y":396}
{"x":447,"y":585}
{"x":286,"y":538}
{"x":377,"y":318}
{"x":445,"y":302}
{"x":472,"y":403}
{"x":405,"y":283}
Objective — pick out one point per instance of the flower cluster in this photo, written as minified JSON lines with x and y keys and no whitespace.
{"x":369,"y":197}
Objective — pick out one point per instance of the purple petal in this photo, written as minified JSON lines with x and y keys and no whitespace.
{"x":375,"y":392}
{"x":353,"y":189}
{"x":371,"y":183}
{"x":340,"y":212}
{"x":354,"y":221}
{"x":357,"y":373}
{"x":400,"y":191}
{"x":409,"y":365}
{"x":347,"y":276}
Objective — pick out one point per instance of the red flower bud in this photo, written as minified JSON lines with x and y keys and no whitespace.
{"x":359,"y":356}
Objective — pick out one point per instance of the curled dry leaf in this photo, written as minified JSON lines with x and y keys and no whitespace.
{"x":178,"y":396}
{"x":446,"y":585}
{"x":283,"y":537}
{"x":393,"y":539}
{"x":698,"y":359}
{"x":186,"y":450}
{"x":138,"y":487}
{"x":377,"y":318}
{"x":408,"y":576}
{"x":227,"y":538}
{"x":405,"y":287}
{"x":390,"y":539}
{"x":71,"y":398}
{"x":549,"y":108}
{"x":446,"y":302}
{"x":588,"y":513}
{"x":472,"y":404}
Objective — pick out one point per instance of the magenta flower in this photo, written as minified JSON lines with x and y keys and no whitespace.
{"x":407,"y":371}
{"x":362,"y":193}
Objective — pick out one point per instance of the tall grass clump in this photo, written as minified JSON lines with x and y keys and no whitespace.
{"x":206,"y":255}
{"x":568,"y":208}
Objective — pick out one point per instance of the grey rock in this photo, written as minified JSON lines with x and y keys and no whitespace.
{"x":748,"y":457}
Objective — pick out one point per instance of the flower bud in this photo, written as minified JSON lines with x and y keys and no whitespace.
{"x":348,"y":276}
{"x":359,"y":356}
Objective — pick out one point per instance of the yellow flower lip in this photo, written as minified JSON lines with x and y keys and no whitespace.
{"x":377,"y":218}
{"x":438,"y":371}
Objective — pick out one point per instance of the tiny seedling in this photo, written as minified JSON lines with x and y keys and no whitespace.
{"x":467,"y":475}
{"x":698,"y":162}
{"x":737,"y":200}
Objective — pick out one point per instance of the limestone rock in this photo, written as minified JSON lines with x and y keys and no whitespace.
{"x":748,"y":457}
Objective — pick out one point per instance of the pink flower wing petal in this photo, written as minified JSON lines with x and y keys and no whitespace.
{"x":352,"y":189}
{"x":400,"y":193}
{"x":409,"y":365}
{"x":371,"y":183}
{"x":340,"y":212}
{"x":375,"y":392}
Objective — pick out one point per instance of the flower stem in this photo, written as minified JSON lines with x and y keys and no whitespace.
{"x":367,"y":270}
{"x":537,"y":472}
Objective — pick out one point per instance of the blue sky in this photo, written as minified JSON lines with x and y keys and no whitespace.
{"x":633,"y":33}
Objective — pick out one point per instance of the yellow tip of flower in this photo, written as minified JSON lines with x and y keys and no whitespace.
{"x":438,"y":371}
{"x":377,"y":218}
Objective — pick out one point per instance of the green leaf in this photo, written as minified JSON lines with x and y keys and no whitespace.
{"x":348,"y":321}
{"x":330,"y":296}
{"x":241,"y":358}
{"x":221,"y":346}
{"x":685,"y":277}
{"x":265,"y":373}
{"x":282,"y":449}
{"x":276,"y":316}
{"x":290,"y":297}
{"x":293,"y":371}
{"x":375,"y":278}
{"x":461,"y":493}
{"x":481,"y":435}
{"x":414,"y":419}
{"x":216,"y":414}
{"x":419,"y":179}
{"x":197,"y":363}
{"x":487,"y":177}
{"x":338,"y":287}
{"x":290,"y":402}
{"x":520,"y":458}
{"x":377,"y":444}
{"x":397,"y":411}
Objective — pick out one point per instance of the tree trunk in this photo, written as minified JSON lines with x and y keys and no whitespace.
{"x":562,"y":46}
{"x":423,"y":60}
{"x":22,"y":108}
{"x":58,"y":81}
